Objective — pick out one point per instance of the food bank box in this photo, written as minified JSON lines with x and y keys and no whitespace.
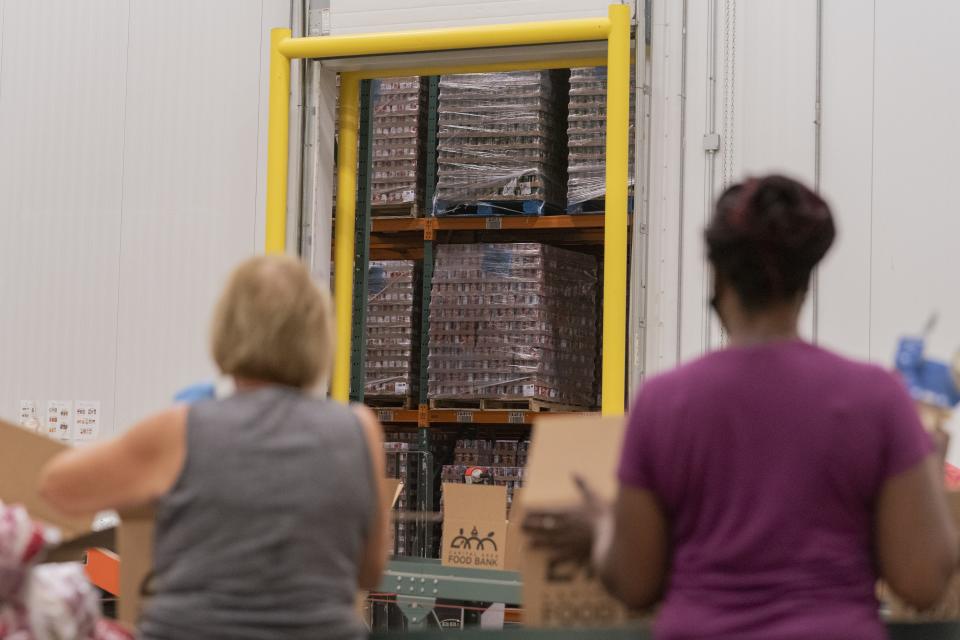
{"x":22,"y":455}
{"x":565,"y":594}
{"x":474,"y":526}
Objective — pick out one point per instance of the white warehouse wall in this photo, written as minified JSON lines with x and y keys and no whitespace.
{"x":886,"y":160}
{"x":368,"y":16}
{"x":131,"y":162}
{"x":890,"y":168}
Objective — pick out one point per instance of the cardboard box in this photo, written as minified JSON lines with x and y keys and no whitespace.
{"x":949,"y":606}
{"x":474,"y":526}
{"x":563,"y":594}
{"x":22,"y":456}
{"x":513,"y":560}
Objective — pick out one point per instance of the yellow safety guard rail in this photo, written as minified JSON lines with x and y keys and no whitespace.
{"x":614,"y":29}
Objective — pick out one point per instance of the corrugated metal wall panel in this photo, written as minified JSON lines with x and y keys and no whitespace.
{"x":366,"y":16}
{"x":764,"y":113}
{"x":915,"y":225}
{"x":887,"y":158}
{"x":847,"y":152}
{"x":61,"y":114}
{"x":776,"y":110}
{"x":131,"y":169}
{"x":190,"y":186}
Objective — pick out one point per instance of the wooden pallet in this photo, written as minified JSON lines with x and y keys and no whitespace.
{"x":389,"y":402}
{"x":400,"y":210}
{"x":519,"y":404}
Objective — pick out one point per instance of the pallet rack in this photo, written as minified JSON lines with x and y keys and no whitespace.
{"x":513,"y":47}
{"x":405,"y":238}
{"x":385,"y":238}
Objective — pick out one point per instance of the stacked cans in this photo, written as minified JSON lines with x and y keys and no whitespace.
{"x":513,"y":322}
{"x":490,"y":462}
{"x":403,"y":463}
{"x":398,"y":128}
{"x":586,"y":135}
{"x":502,"y":137}
{"x":393,"y":329}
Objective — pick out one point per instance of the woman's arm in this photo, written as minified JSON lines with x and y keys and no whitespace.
{"x":916,"y":541}
{"x":127,"y":471}
{"x":374,"y":558}
{"x":631,"y":549}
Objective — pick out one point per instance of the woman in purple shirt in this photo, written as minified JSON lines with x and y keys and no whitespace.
{"x":765,"y":487}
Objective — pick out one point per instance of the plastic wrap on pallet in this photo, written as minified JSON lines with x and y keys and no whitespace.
{"x":513,"y":322}
{"x":501,"y":141}
{"x":586,"y":135}
{"x":393,"y":326}
{"x":399,"y":121}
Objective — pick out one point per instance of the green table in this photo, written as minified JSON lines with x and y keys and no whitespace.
{"x":419,"y":583}
{"x":918,"y":631}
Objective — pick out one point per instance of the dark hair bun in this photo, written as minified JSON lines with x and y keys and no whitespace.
{"x":766,"y":236}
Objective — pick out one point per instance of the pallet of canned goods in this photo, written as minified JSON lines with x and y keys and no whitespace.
{"x":392,"y":333}
{"x":586,"y":135}
{"x":399,"y":127}
{"x":512,"y":323}
{"x":502,"y":143}
{"x":399,"y":124}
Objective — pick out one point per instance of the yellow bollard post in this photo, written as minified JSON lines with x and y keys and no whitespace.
{"x":345,"y":222}
{"x":278,"y":142}
{"x":615,"y":225}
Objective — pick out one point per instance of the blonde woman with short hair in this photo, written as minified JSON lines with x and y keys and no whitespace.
{"x":268,"y":503}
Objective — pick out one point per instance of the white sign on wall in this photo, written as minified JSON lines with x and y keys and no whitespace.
{"x":59,"y":422}
{"x":28,"y":413}
{"x":86,"y":424}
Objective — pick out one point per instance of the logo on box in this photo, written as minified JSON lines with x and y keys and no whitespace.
{"x":474,"y":541}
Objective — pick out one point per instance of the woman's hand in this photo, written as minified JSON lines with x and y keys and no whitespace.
{"x":130,"y":470}
{"x":571,"y":534}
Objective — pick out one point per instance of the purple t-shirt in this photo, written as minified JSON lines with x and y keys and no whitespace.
{"x":767,"y":461}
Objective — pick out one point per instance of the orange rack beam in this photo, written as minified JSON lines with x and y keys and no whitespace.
{"x":425,"y":417}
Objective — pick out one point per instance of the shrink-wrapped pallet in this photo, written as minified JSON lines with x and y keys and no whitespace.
{"x":393,"y":330}
{"x":399,"y":125}
{"x":587,"y":135}
{"x":398,"y":133}
{"x":513,"y":322}
{"x":502,"y":143}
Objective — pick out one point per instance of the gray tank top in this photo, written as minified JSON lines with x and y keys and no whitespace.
{"x":261,"y":536}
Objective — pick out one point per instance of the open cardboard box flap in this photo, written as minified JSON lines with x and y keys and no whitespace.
{"x":22,"y":456}
{"x":562,"y":447}
{"x":556,"y":593}
{"x":393,"y":488}
{"x":479,"y":502}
